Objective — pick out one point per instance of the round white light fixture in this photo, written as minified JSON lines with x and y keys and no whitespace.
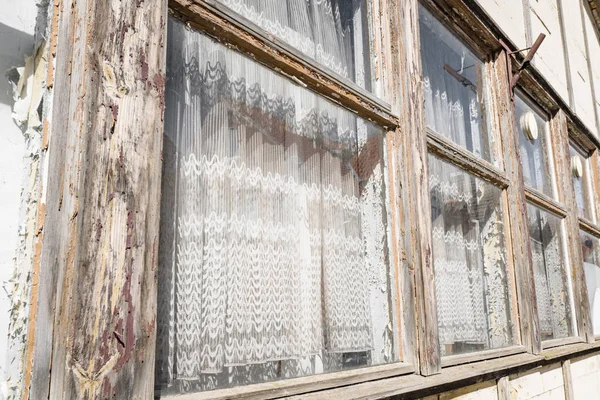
{"x":529,"y":125}
{"x":577,"y":166}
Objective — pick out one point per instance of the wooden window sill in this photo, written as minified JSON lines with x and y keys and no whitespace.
{"x":417,"y":386}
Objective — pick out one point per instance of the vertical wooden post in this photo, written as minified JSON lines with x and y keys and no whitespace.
{"x":503,"y":386}
{"x":95,"y":334}
{"x":416,"y":187}
{"x":568,"y":380}
{"x":566,"y":193}
{"x":504,"y":123}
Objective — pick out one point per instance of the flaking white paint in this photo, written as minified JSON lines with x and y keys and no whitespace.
{"x":16,"y":40}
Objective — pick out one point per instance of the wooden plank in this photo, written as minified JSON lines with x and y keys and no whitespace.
{"x":546,"y":202}
{"x":102,"y":204}
{"x":207,"y":17}
{"x":566,"y":192}
{"x":415,"y":386}
{"x":549,"y":344}
{"x":457,"y":155}
{"x":388,"y":37}
{"x":290,"y":387}
{"x":481,"y":356}
{"x":504,"y":388}
{"x":588,"y":226}
{"x":417,"y":188}
{"x":504,"y":123}
{"x":568,"y":380}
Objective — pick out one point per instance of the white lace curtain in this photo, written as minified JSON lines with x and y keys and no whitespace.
{"x":452,"y":86}
{"x":332,"y":32}
{"x":268,"y":197}
{"x":554,"y":309}
{"x":469,"y":259}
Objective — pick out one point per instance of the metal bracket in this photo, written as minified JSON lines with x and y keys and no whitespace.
{"x":514,"y":78}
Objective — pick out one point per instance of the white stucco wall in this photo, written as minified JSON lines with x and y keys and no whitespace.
{"x":17,"y":23}
{"x":509,"y":16}
{"x":582,"y":104}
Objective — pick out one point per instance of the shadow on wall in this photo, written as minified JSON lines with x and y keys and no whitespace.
{"x":14,"y":45}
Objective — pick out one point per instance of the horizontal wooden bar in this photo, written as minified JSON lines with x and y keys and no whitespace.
{"x":217,"y":21}
{"x":548,"y":344}
{"x":289,"y":387}
{"x":545,"y":202}
{"x":589,"y":227}
{"x":450,"y":361}
{"x":417,"y":386}
{"x":449,"y":151}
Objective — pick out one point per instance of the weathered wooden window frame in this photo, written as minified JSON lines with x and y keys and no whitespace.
{"x":589,"y":225}
{"x":461,"y":19}
{"x":217,"y":21}
{"x":557,"y":204}
{"x":468,"y":162}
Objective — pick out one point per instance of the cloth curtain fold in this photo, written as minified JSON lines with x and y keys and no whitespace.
{"x":332,"y":32}
{"x":263,"y":242}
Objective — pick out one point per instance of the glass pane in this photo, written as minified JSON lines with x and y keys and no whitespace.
{"x":470,"y":262}
{"x":454,"y":87}
{"x":591,"y":265}
{"x":550,"y":274}
{"x":335,"y":33}
{"x":534,"y":146}
{"x":579,"y":171}
{"x":273,"y":254}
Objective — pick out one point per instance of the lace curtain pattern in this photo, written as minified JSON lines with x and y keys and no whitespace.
{"x":332,"y":32}
{"x":453,"y":86}
{"x":550,"y":275}
{"x":472,"y":296}
{"x":273,"y":260}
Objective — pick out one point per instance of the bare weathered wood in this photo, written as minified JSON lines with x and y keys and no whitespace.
{"x":457,"y":155}
{"x":568,"y":380}
{"x":503,"y":388}
{"x":504,"y":123}
{"x":549,"y":344}
{"x":482,"y":355}
{"x":564,"y":175}
{"x":546,"y":202}
{"x":417,"y":187}
{"x":102,"y":205}
{"x":589,"y":227}
{"x":387,"y":42}
{"x":290,"y":387}
{"x":416,"y":386}
{"x":207,"y":17}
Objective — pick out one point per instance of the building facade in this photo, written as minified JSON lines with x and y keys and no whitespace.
{"x":350,"y":199}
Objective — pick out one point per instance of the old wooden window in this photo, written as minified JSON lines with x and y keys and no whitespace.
{"x":580,"y":171}
{"x":590,"y":247}
{"x":274,"y":250}
{"x":473,"y":292}
{"x":551,"y":273}
{"x":582,"y":174}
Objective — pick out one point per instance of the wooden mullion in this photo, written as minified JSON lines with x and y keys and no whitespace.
{"x":505,"y":125}
{"x":564,"y":175}
{"x":455,"y":154}
{"x":388,"y":36}
{"x":211,"y":19}
{"x":416,"y":187}
{"x":545,"y":202}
